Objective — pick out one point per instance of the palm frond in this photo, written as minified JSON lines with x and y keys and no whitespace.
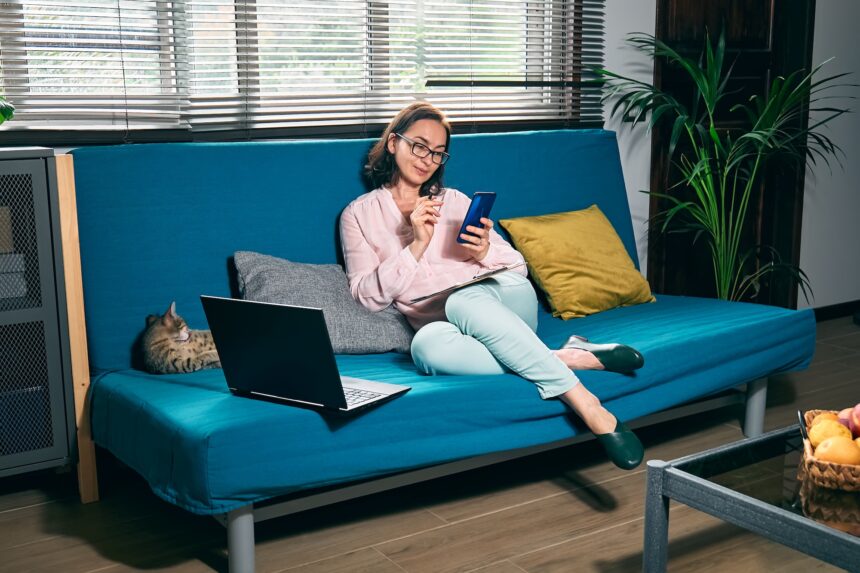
{"x":773,"y":265}
{"x":720,"y":168}
{"x":7,"y":110}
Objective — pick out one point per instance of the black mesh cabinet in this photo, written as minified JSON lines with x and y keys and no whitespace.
{"x":37,"y":427}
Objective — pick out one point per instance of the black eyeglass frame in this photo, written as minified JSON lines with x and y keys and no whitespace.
{"x":442,"y":156}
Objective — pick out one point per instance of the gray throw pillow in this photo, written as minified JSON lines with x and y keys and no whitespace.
{"x":353,"y":328}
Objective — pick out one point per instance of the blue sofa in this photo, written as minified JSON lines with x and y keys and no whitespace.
{"x":160,"y":222}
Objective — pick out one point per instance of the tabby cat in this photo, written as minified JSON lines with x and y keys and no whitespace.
{"x":170,"y":347}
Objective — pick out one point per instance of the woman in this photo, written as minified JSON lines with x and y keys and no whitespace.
{"x":400,"y":242}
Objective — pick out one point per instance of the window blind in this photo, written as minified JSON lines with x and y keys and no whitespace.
{"x":92,"y":64}
{"x":340,"y":65}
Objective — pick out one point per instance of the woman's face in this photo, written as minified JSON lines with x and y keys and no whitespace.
{"x":416,"y":170}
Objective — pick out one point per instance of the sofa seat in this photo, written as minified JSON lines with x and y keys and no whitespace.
{"x":209,"y":452}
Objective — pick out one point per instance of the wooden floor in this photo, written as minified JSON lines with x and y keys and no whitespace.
{"x":564,"y":511}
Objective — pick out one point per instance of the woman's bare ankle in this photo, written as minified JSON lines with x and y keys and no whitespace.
{"x":598,"y":419}
{"x":577,"y":359}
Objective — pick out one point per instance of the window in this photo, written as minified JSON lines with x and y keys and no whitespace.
{"x":338,"y":66}
{"x":94,"y":64}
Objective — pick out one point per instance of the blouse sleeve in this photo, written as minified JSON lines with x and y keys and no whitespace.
{"x":373,"y":283}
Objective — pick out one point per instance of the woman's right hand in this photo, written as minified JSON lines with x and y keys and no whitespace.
{"x":423,"y":218}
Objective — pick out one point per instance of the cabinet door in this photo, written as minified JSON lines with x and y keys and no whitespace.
{"x":32,"y":407}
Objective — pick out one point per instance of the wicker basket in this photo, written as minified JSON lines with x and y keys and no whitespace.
{"x":836,"y":509}
{"x":843,"y":477}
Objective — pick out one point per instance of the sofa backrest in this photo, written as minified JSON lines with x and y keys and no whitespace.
{"x":160,"y":222}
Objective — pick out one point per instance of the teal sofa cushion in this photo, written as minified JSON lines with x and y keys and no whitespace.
{"x":189,"y":437}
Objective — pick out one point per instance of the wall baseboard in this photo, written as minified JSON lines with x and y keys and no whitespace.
{"x":851,"y":308}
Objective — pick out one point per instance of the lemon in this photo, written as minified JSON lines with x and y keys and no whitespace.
{"x":827,"y":429}
{"x":838,"y":449}
{"x":824,"y":416}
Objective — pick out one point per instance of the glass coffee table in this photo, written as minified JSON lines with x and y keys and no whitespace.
{"x":754,"y":484}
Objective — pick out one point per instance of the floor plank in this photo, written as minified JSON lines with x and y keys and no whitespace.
{"x":485,"y":539}
{"x":500,"y":567}
{"x":343,"y":528}
{"x":824,"y":352}
{"x":850,"y":341}
{"x":698,"y":543}
{"x":361,"y":561}
{"x":836,"y":327}
{"x":70,"y":537}
{"x":35,"y":488}
{"x":835,"y":396}
{"x":507,"y":485}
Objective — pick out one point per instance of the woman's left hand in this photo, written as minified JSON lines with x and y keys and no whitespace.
{"x":478,"y":240}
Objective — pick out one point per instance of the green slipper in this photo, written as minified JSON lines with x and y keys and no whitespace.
{"x":614,"y":357}
{"x":622,"y":446}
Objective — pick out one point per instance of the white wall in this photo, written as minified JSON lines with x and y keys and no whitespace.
{"x":830,"y":237}
{"x":624,"y":17}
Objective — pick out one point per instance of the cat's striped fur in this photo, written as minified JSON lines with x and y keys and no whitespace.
{"x":170,"y":347}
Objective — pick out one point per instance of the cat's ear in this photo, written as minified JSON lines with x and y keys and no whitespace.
{"x":151,"y":318}
{"x":170,"y":315}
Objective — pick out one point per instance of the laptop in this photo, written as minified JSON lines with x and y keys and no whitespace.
{"x":282,"y":352}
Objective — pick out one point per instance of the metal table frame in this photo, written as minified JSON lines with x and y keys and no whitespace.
{"x":669,"y":481}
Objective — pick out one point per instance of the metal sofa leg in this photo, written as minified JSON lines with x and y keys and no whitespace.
{"x":756,"y":399}
{"x":240,"y":539}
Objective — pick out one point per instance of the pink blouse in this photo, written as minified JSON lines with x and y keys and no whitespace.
{"x":382,"y":270}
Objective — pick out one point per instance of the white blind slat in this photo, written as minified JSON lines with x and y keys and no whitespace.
{"x":244,"y":64}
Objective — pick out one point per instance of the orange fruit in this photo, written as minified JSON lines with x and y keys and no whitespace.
{"x":827,"y":429}
{"x":839,"y":450}
{"x":824,"y":416}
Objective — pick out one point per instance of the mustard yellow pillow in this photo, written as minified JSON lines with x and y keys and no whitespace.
{"x":579,"y":261}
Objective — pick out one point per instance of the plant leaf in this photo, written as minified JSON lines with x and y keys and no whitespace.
{"x":7,"y":110}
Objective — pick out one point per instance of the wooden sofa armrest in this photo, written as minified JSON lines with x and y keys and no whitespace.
{"x":87,"y":476}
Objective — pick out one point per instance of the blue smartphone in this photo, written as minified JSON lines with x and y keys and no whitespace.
{"x":482,"y":202}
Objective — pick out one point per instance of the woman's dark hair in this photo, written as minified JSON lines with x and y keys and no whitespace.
{"x":381,"y":168}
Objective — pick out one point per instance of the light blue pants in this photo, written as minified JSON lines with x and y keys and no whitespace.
{"x":491,"y":330}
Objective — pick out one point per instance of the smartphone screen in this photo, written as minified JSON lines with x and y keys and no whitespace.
{"x":482,"y":202}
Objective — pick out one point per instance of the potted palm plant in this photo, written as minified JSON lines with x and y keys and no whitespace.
{"x":722,"y":167}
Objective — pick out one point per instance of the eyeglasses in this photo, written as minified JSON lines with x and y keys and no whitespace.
{"x":422,"y":151}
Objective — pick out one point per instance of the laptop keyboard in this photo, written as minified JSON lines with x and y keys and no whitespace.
{"x":355,"y":396}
